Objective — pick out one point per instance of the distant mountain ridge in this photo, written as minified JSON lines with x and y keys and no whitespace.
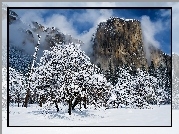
{"x":51,"y":36}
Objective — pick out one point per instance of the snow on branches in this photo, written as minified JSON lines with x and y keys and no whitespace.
{"x":17,"y":84}
{"x":137,"y":91}
{"x":66,"y":73}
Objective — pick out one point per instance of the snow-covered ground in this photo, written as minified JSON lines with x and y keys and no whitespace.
{"x":34,"y":116}
{"x":89,"y":130}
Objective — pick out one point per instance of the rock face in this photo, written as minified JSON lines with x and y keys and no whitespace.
{"x":120,"y":42}
{"x":160,"y":58}
{"x":51,"y":35}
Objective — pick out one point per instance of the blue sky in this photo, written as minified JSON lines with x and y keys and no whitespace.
{"x":82,"y":23}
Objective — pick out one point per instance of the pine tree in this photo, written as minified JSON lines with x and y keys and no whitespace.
{"x":151,"y":69}
{"x":110,"y":74}
{"x":115,"y":75}
{"x":129,"y":90}
{"x":16,"y":86}
{"x":164,"y":84}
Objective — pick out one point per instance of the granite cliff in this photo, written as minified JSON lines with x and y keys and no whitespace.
{"x":120,"y":42}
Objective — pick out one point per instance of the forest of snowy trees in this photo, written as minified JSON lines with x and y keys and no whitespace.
{"x":65,"y":78}
{"x":154,"y":85}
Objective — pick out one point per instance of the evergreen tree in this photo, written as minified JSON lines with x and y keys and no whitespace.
{"x":109,"y":73}
{"x":16,"y":87}
{"x":129,"y":90}
{"x":164,"y":84}
{"x":151,"y":69}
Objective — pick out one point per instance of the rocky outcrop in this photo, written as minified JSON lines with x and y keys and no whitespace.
{"x":52,"y":35}
{"x":160,"y":58}
{"x":120,"y":42}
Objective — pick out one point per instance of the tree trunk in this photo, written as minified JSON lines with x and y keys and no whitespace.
{"x":80,"y":103}
{"x":40,"y":103}
{"x":70,"y":106}
{"x":56,"y":105}
{"x":26,"y":98}
{"x":77,"y":100}
{"x":84,"y":102}
{"x":41,"y":99}
{"x":18,"y":100}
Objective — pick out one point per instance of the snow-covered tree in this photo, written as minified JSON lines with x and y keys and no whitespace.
{"x":66,"y":75}
{"x":19,"y":60}
{"x":16,"y":87}
{"x":128,"y":91}
{"x":137,"y":91}
{"x":164,"y":84}
{"x":153,"y":93}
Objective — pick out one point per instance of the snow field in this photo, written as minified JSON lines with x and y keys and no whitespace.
{"x":36,"y":116}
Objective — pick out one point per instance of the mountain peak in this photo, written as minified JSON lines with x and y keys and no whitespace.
{"x":50,"y":35}
{"x":120,"y":42}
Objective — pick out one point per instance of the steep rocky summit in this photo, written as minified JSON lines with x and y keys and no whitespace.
{"x":119,"y":42}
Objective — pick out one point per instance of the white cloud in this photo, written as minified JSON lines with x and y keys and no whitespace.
{"x":31,"y":15}
{"x":149,"y":30}
{"x":60,"y":22}
{"x":93,"y":16}
{"x":165,"y":13}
